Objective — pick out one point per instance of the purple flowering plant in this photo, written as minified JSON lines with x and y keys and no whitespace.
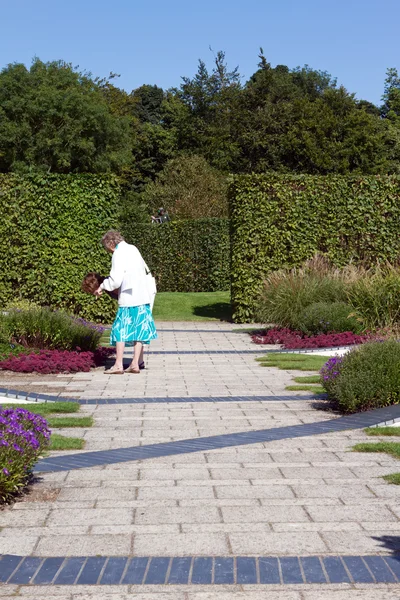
{"x":330,"y":372}
{"x":23,"y":437}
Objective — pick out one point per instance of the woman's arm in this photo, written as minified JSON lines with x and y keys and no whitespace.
{"x":114,"y":280}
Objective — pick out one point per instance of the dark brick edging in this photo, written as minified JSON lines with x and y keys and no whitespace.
{"x":240,"y":570}
{"x":34,"y":397}
{"x":204,"y":444}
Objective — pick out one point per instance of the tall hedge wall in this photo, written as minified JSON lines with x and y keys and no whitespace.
{"x":280,"y":221}
{"x":185,"y":256}
{"x":50,"y":230}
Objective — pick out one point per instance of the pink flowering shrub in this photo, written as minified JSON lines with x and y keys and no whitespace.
{"x":49,"y":362}
{"x":292,"y":340}
{"x":23,"y":437}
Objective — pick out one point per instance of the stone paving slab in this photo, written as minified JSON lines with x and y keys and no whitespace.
{"x":275,"y":497}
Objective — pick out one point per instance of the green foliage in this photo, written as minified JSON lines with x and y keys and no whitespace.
{"x":293,"y":362}
{"x":315,"y":389}
{"x":50,"y":229}
{"x":392,"y":478}
{"x":53,"y":118}
{"x":185,"y":256}
{"x":43,"y":328}
{"x":392,"y":448}
{"x":7,"y":349}
{"x":324,"y":317}
{"x":61,"y":442}
{"x":383,"y":431}
{"x":189,"y":188}
{"x":279,"y":221}
{"x":63,"y":422}
{"x":48,"y":408}
{"x":287,"y":294}
{"x":376,"y":298}
{"x":368,"y":377}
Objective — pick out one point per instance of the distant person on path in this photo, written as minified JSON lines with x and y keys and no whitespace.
{"x":134,"y":324}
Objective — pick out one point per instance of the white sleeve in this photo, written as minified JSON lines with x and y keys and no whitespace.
{"x":114,"y":280}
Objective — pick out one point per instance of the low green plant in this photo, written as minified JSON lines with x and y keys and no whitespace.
{"x":375,"y":298}
{"x":308,"y":379}
{"x":68,"y":422}
{"x":48,"y":408}
{"x":392,"y":478}
{"x":392,"y":448}
{"x":293,"y":362}
{"x":61,"y":442}
{"x":7,"y":349}
{"x":287,"y":294}
{"x":326,"y":317}
{"x":44,"y":328}
{"x":21,"y":304}
{"x":383,"y":431}
{"x":367,"y":377}
{"x":315,"y":389}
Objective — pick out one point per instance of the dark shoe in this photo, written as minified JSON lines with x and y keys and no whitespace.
{"x":142,"y":365}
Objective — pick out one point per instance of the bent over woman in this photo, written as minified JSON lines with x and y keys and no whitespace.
{"x":134,"y":324}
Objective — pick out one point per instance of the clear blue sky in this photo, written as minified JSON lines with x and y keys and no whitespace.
{"x":158,"y":41}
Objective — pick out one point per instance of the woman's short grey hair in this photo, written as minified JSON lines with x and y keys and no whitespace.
{"x":111,"y":238}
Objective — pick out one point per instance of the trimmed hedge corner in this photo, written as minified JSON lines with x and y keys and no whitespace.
{"x":50,"y":229}
{"x":279,"y":221}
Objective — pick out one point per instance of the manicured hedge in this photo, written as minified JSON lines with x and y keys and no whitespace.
{"x":279,"y":221}
{"x":185,"y":256}
{"x":50,"y":231}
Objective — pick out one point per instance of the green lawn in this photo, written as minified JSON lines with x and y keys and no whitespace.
{"x":391,"y":431}
{"x":315,"y":389}
{"x":392,"y":448}
{"x":60,"y":442}
{"x":48,"y":408}
{"x":293,"y":362}
{"x":59,"y":422}
{"x":192,"y":306}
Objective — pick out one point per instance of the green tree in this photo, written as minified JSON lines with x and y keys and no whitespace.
{"x":189,"y":188}
{"x":391,"y":97}
{"x":205,"y":125}
{"x":54,"y":118}
{"x":300,"y":121}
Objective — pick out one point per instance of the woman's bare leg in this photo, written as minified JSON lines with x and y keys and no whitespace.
{"x":137,"y":354}
{"x":120,"y":355}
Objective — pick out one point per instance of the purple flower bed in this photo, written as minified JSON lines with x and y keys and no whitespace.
{"x":56,"y":361}
{"x":23,"y":437}
{"x":330,"y":371}
{"x":292,"y":340}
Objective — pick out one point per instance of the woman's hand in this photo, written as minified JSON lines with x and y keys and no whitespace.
{"x":98,"y":292}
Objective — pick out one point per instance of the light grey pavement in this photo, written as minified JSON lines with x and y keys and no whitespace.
{"x":305,"y":496}
{"x":180,"y":374}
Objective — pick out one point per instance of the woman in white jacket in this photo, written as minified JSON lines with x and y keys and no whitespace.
{"x":134,"y":324}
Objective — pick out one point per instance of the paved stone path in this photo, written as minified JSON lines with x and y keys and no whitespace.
{"x":219,"y":517}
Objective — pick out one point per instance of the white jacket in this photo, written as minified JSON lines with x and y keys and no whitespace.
{"x":129,"y":276}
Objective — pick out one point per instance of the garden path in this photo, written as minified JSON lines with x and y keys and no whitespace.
{"x":295,"y":518}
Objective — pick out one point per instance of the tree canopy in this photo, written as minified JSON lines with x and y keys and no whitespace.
{"x":55,"y":118}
